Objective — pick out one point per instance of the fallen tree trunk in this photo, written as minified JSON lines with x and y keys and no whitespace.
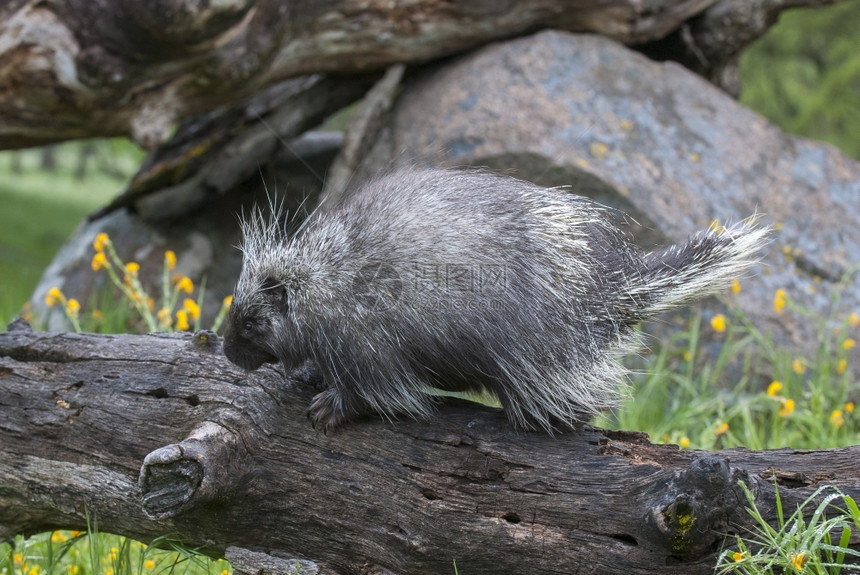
{"x":79,"y":69}
{"x":82,"y":69}
{"x":161,"y":434}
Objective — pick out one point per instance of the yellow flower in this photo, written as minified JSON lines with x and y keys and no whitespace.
{"x":132,"y":268}
{"x":738,"y":556}
{"x":58,"y":537}
{"x":54,"y":295}
{"x":798,"y":367}
{"x":787,"y":407}
{"x":99,"y":261}
{"x":836,"y":418}
{"x":854,"y":319}
{"x":149,"y":564}
{"x":18,"y":558}
{"x":34,"y":570}
{"x":192,"y":308}
{"x":779,"y":300}
{"x":774,"y":388}
{"x":848,"y":407}
{"x":225,"y":572}
{"x":718,"y":323}
{"x":164,"y":318}
{"x":848,"y":343}
{"x":721,"y":429}
{"x":228,"y":301}
{"x":113,"y":554}
{"x":736,"y":286}
{"x":182,"y":320}
{"x":688,"y":356}
{"x":170,"y":259}
{"x":109,"y":570}
{"x":73,"y":306}
{"x":685,"y":442}
{"x":100,"y":242}
{"x":27,"y":311}
{"x":798,"y":559}
{"x":841,"y":366}
{"x":185,"y":284}
{"x":72,"y":569}
{"x":76,"y":533}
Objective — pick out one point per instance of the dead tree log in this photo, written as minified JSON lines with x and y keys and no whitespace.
{"x":211,"y":154}
{"x":161,"y":434}
{"x":80,"y":69}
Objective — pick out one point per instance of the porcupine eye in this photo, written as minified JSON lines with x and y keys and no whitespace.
{"x":247,"y":326}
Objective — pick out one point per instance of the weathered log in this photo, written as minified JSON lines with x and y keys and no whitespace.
{"x":213,"y":153}
{"x":161,"y":434}
{"x":362,"y":133}
{"x":80,"y":69}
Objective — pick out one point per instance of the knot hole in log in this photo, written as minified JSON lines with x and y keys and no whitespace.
{"x":695,"y":509}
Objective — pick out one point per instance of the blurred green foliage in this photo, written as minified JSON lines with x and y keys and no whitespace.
{"x":40,"y":208}
{"x":804,"y":74}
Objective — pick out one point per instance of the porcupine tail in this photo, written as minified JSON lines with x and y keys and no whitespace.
{"x":704,"y":265}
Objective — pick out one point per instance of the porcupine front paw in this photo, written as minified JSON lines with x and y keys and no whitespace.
{"x":326,"y":410}
{"x":308,"y":374}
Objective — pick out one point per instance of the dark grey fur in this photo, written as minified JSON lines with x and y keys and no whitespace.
{"x":463,"y":280}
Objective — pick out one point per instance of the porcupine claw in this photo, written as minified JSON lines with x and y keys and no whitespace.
{"x":325,"y":410}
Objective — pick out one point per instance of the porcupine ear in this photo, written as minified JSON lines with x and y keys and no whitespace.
{"x":275,"y":293}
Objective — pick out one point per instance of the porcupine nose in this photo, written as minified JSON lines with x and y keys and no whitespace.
{"x":244,"y":353}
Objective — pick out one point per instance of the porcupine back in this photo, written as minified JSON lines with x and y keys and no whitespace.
{"x":463,"y":280}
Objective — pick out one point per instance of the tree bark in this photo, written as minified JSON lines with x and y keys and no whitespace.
{"x":213,"y":153}
{"x":78,"y":69}
{"x":161,"y":434}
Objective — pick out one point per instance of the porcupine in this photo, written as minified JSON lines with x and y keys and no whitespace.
{"x":463,"y":281}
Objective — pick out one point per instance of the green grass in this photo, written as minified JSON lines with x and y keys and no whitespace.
{"x":814,"y":539}
{"x":752,"y":393}
{"x":91,"y":553}
{"x":40,"y":211}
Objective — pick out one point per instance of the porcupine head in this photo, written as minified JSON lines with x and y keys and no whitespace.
{"x":257,"y":329}
{"x":550,"y":353}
